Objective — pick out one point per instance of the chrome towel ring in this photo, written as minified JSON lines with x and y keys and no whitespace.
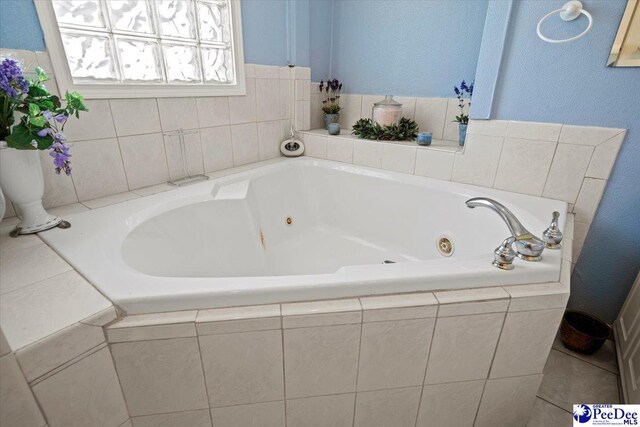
{"x":569,"y":12}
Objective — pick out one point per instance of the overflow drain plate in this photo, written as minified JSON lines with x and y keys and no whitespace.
{"x":444,"y":245}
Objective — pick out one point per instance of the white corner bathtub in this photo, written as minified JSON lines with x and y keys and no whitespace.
{"x":300,"y":229}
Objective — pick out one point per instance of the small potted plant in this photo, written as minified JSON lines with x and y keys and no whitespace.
{"x":40,"y":127}
{"x":331,"y":102}
{"x":463,"y":119}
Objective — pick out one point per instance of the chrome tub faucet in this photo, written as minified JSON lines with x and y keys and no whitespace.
{"x":527,"y":246}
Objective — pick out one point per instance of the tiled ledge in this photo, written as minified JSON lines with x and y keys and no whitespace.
{"x":436,"y":144}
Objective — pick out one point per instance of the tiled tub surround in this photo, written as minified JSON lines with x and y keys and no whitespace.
{"x":118,"y":146}
{"x":563,"y":162}
{"x":466,"y":357}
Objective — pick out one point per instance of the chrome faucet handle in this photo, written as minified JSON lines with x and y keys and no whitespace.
{"x":552,"y":236}
{"x":504,"y":254}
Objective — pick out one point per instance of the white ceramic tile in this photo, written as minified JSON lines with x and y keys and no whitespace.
{"x":367,"y":153}
{"x":44,"y":61}
{"x":488,"y":127}
{"x":509,"y":400}
{"x":589,"y":199}
{"x":146,"y":333}
{"x":587,"y":135}
{"x":340,"y":149}
{"x":387,"y":408}
{"x":434,"y":164}
{"x":408,"y":106}
{"x":539,"y":296}
{"x":302,"y":73}
{"x":430,"y":114}
{"x":604,"y":156}
{"x":237,"y":313}
{"x":454,"y":404}
{"x":605,"y":357}
{"x":93,"y":124}
{"x":242,"y":109}
{"x":523,"y":349}
{"x":145,"y":161}
{"x":268,"y":99}
{"x":366,"y":106}
{"x":213,"y":111}
{"x":351,"y":111}
{"x":306,"y":321}
{"x":534,"y":131}
{"x":399,"y":158}
{"x":463,"y":347}
{"x":286,"y":99}
{"x":568,"y":380}
{"x":28,"y":59}
{"x":302,"y":90}
{"x":154,"y":189}
{"x":239,"y":325}
{"x":398,"y":307}
{"x":471,"y":295}
{"x":567,"y":172}
{"x":86,"y":393}
{"x":66,"y":210}
{"x":57,"y":349}
{"x":110,"y":200}
{"x":245,"y":144}
{"x":565,"y":274}
{"x":18,"y":407}
{"x":153,"y":319}
{"x":178,"y":113}
{"x":318,"y":307}
{"x":394,"y":354}
{"x":193,"y":149}
{"x":478,"y":163}
{"x":545,"y":414}
{"x":10,"y":246}
{"x":250,"y":71}
{"x":200,"y":418}
{"x":101,"y":318}
{"x":451,"y":131}
{"x":98,"y":170}
{"x":317,"y":116}
{"x":58,"y":188}
{"x":267,"y":71}
{"x":41,"y":309}
{"x":152,"y":384}
{"x":467,"y":308}
{"x":580,"y":233}
{"x":321,"y":313}
{"x":4,"y":345}
{"x":315,"y":145}
{"x":135,"y":116}
{"x":217,"y":150}
{"x":512,"y":176}
{"x":269,"y":139}
{"x":16,"y":273}
{"x":303,"y":115}
{"x":320,"y":361}
{"x":287,"y":73}
{"x":243,"y":368}
{"x":256,"y":415}
{"x":321,"y":411}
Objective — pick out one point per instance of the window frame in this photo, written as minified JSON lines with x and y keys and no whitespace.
{"x":65,"y":81}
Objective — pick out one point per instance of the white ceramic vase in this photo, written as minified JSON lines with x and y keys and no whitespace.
{"x":22,"y":182}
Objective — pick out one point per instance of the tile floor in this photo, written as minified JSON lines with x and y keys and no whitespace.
{"x":575,"y":378}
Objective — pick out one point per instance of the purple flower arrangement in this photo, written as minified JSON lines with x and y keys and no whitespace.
{"x":461,"y":92}
{"x":331,"y":91}
{"x":42,"y":123}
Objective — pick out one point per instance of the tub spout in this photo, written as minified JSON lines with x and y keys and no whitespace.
{"x":526,"y":245}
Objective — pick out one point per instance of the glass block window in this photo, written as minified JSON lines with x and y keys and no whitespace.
{"x":147,"y":42}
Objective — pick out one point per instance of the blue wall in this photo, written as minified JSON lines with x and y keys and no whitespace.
{"x":263,"y":21}
{"x":414,"y":48}
{"x":320,"y":35}
{"x":569,"y":83}
{"x":19,"y":25}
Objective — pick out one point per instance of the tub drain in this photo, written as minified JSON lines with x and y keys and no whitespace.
{"x":444,"y":245}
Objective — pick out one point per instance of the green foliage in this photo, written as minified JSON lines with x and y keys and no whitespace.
{"x":406,"y":130}
{"x":40,"y":109}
